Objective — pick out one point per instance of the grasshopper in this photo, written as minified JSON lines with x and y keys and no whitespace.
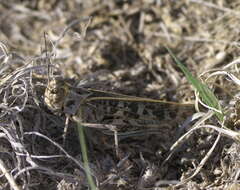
{"x":120,"y":113}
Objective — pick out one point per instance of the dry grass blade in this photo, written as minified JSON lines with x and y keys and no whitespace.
{"x":9,"y":177}
{"x":126,"y":40}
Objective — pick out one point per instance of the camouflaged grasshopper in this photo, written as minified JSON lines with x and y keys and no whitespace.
{"x":117,"y":112}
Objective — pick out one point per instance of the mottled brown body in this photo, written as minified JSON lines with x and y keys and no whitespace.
{"x":127,"y":113}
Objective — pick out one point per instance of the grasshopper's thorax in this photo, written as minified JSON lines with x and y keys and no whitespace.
{"x":55,"y":94}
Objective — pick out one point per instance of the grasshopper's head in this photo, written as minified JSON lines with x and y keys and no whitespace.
{"x":55,"y":94}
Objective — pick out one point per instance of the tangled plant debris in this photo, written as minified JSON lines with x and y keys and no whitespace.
{"x":121,"y":51}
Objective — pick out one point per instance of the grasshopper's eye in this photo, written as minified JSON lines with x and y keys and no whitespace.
{"x":54,"y":91}
{"x":58,"y":91}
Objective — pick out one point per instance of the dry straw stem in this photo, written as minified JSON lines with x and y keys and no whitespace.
{"x":203,"y":118}
{"x":8,"y":176}
{"x":58,"y":146}
{"x":211,"y":5}
{"x":202,"y":163}
{"x":200,"y":124}
{"x":213,"y":107}
{"x":198,"y":39}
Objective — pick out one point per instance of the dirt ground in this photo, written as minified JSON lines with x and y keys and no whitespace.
{"x":117,"y":46}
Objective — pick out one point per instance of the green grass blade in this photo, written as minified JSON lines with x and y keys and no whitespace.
{"x":206,"y":95}
{"x":84,"y":153}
